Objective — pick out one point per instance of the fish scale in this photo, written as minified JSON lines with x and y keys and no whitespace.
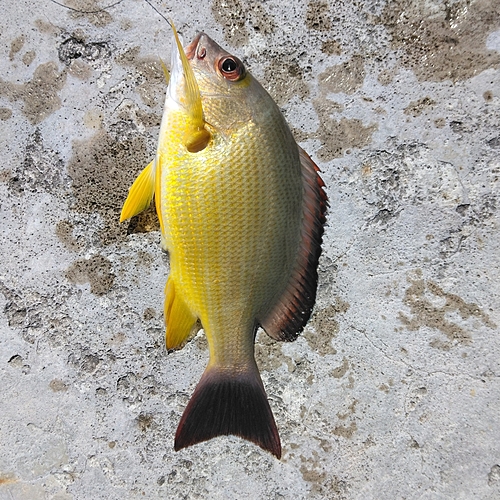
{"x":242,"y":209}
{"x":228,"y":255}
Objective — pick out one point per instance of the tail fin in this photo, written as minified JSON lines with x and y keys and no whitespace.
{"x":227,"y":402}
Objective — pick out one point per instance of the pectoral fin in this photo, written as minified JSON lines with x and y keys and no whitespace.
{"x":140,"y":194}
{"x":179,"y":320}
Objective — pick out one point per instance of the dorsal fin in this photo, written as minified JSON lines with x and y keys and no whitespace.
{"x":291,"y":313}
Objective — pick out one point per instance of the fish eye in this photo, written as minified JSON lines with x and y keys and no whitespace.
{"x":231,"y":68}
{"x":228,"y":65}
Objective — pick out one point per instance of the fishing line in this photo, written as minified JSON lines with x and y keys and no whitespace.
{"x":113,"y":5}
{"x":87,"y":11}
{"x":158,"y":12}
{"x":108,"y":7}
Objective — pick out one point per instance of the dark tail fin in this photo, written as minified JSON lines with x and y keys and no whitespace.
{"x":227,"y":402}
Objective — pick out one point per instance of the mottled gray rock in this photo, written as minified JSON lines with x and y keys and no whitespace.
{"x":392,"y":391}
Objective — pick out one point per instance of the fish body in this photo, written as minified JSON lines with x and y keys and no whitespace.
{"x":241,"y":209}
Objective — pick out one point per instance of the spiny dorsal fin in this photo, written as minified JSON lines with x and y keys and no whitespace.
{"x":291,"y":313}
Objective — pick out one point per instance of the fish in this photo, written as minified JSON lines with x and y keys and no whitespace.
{"x":242,"y":210}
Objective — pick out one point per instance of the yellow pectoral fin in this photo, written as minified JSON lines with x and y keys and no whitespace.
{"x":140,"y":194}
{"x":179,"y":319}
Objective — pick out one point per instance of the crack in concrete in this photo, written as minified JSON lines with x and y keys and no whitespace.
{"x":413,"y":368}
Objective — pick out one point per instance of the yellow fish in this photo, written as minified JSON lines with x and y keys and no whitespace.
{"x":241,"y":209}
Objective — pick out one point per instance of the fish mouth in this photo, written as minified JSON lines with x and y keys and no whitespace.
{"x":191,"y":50}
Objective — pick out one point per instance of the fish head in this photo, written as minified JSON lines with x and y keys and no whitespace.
{"x":231,"y":97}
{"x":215,"y":68}
{"x":212,"y":91}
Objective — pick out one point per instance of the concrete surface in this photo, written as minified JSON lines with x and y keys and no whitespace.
{"x":393,"y":390}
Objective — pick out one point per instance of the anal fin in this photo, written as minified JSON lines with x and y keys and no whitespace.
{"x":179,"y":320}
{"x":140,"y":193}
{"x":293,"y":309}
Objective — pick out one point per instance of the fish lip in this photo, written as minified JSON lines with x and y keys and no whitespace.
{"x":190,"y":50}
